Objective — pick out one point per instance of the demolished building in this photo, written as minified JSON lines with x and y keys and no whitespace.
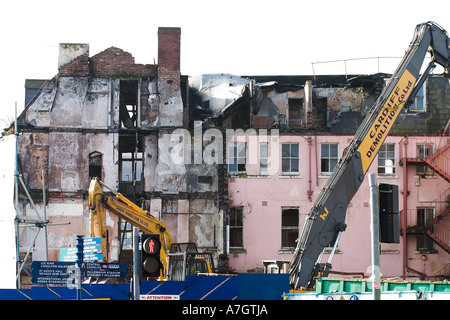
{"x":295,"y":129}
{"x":130,"y":125}
{"x":106,"y":116}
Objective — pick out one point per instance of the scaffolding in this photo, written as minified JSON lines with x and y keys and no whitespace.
{"x":41,"y":222}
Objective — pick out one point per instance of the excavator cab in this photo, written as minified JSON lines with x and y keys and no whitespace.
{"x":197,"y":265}
{"x":185,"y":260}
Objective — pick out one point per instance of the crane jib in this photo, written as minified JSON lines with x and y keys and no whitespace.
{"x":382,"y":125}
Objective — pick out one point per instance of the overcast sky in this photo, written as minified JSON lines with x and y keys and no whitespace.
{"x":241,"y":37}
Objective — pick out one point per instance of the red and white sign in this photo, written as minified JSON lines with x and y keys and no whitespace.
{"x":159,"y":297}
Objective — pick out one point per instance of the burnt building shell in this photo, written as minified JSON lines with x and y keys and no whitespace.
{"x":105,"y":116}
{"x":108,"y":117}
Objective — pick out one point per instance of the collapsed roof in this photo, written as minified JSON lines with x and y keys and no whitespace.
{"x":214,"y":94}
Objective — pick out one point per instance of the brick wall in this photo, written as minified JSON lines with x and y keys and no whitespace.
{"x":112,"y":62}
{"x":77,"y":67}
{"x":116,"y":62}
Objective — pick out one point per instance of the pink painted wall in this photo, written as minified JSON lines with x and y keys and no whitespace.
{"x":264,"y":196}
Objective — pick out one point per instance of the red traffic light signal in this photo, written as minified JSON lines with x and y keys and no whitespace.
{"x":151,"y":262}
{"x":151,"y":245}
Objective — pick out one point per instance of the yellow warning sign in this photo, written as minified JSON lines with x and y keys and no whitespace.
{"x":382,"y":125}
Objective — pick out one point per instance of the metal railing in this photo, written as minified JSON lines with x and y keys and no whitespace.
{"x":436,"y":227}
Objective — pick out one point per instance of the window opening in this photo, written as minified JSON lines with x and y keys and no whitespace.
{"x":290,"y":158}
{"x":95,"y":165}
{"x":329,"y":157}
{"x":419,"y":101}
{"x":263,"y":157}
{"x":295,"y":112}
{"x":289,"y":228}
{"x":128,"y":104}
{"x":425,"y":217}
{"x":126,"y":234}
{"x":236,"y":227}
{"x":130,"y":165}
{"x":237,"y":155}
{"x":386,"y":159}
{"x":424,"y":151}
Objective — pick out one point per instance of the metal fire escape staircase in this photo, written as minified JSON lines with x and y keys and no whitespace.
{"x":441,"y":232}
{"x":434,"y":162}
{"x":439,"y":162}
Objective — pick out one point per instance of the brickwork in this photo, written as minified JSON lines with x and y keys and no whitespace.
{"x":78,"y":67}
{"x":169,"y":79}
{"x":169,"y":48}
{"x":116,"y":62}
{"x":169,"y":56}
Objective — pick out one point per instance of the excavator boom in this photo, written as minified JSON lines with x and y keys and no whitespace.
{"x":119,"y":205}
{"x":99,"y":202}
{"x":326,"y":218}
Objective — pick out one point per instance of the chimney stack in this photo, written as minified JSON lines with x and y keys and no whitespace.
{"x":171,"y":103}
{"x":169,"y":40}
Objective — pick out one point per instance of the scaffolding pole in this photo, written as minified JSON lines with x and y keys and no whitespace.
{"x":38,"y":223}
{"x":16,"y":187}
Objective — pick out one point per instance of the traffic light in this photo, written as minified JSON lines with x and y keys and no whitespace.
{"x":151,"y":261}
{"x":389,"y":216}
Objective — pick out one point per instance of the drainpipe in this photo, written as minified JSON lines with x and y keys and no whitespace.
{"x":405,"y":206}
{"x":308,"y":108}
{"x":317,"y":162}
{"x":227,"y":239}
{"x":309,"y":192}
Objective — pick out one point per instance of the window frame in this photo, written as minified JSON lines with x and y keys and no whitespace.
{"x":424,"y":217}
{"x":292,"y":159}
{"x":238,"y":226}
{"x":329,"y":157}
{"x":264,"y":158}
{"x":295,"y":108}
{"x":426,"y":152}
{"x":286,"y":230}
{"x":235,"y":157}
{"x":383,"y":155}
{"x":135,"y":160}
{"x":126,"y":234}
{"x":419,"y":104}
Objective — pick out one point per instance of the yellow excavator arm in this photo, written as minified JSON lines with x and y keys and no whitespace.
{"x":326,"y":219}
{"x":99,"y":202}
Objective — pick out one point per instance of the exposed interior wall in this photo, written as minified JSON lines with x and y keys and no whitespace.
{"x":82,"y":122}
